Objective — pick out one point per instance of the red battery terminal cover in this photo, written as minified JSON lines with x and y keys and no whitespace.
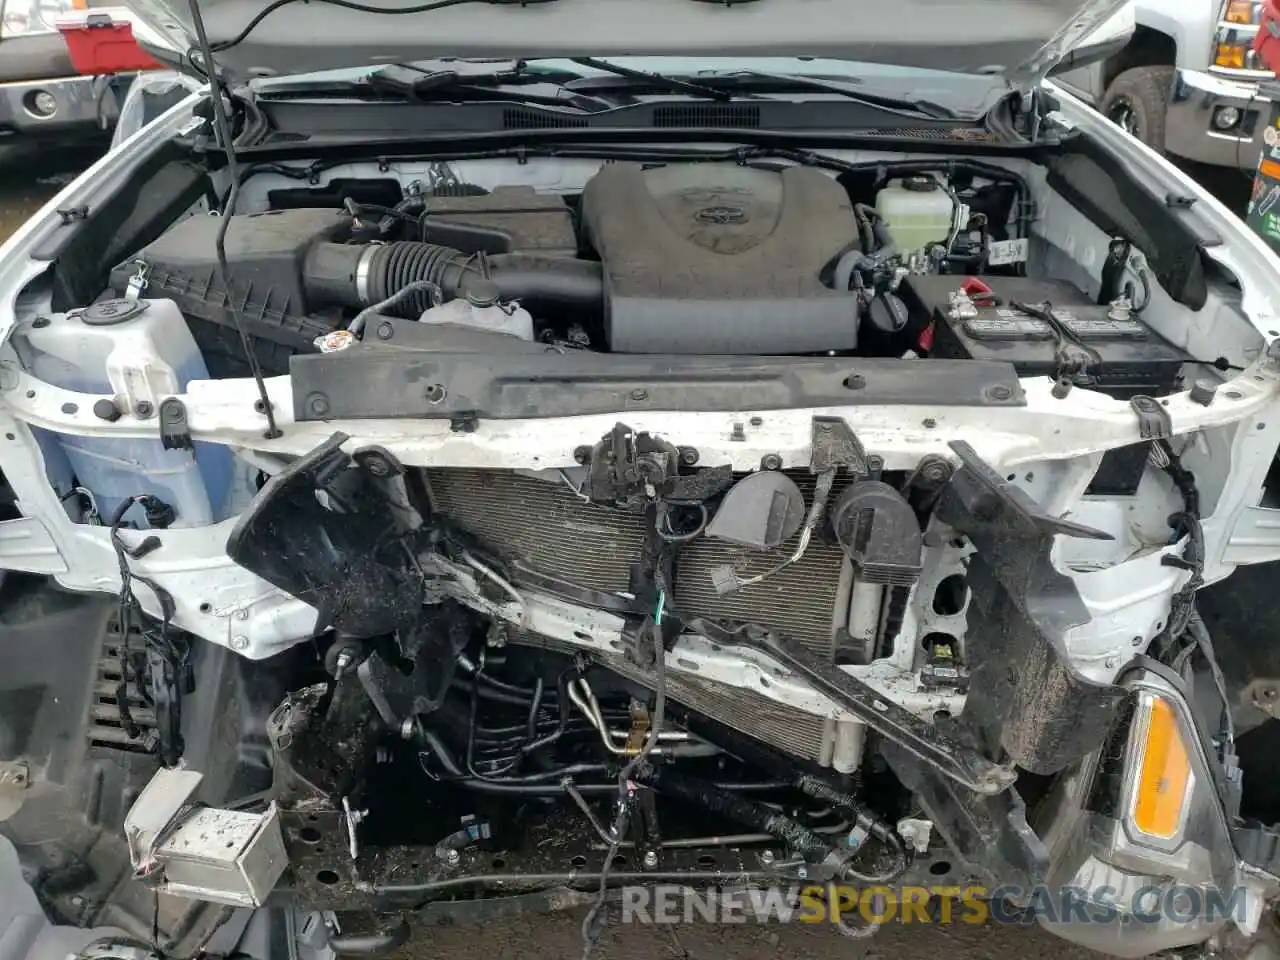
{"x":978,"y":291}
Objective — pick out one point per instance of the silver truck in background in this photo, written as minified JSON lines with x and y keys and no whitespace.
{"x":1187,"y":81}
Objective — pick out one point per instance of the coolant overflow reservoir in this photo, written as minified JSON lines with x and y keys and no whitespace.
{"x":480,"y":308}
{"x":137,"y":353}
{"x":918,"y":212}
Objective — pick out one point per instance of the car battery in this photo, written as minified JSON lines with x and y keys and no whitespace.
{"x":1132,"y":358}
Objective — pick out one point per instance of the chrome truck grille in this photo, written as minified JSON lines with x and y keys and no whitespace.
{"x":549,"y":529}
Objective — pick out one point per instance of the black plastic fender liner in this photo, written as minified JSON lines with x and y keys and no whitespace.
{"x":348,"y":562}
{"x":1024,"y":693}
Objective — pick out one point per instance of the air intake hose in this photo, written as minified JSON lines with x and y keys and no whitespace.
{"x":359,"y":275}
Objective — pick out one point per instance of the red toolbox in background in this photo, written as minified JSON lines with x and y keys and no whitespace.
{"x":99,"y":44}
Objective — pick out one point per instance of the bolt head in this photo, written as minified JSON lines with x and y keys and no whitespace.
{"x":318,"y":404}
{"x":639,"y":394}
{"x":242,"y":614}
{"x":766,"y":857}
{"x":385,"y":331}
{"x":688,"y":456}
{"x":651,"y":859}
{"x":771,"y":461}
{"x":453,"y":857}
{"x":239,"y":642}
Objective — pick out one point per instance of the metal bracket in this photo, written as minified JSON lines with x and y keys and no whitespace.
{"x":955,"y":760}
{"x":834,"y":446}
{"x":202,"y":853}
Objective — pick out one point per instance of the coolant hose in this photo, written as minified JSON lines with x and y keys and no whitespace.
{"x":812,"y":846}
{"x":360,"y":275}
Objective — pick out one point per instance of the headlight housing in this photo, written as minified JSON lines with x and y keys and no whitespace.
{"x":1232,"y":52}
{"x":1143,"y":817}
{"x":26,"y":17}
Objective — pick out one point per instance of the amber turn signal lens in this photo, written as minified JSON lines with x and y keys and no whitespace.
{"x":1162,"y":789}
{"x":1230,"y":55}
{"x":1241,"y":11}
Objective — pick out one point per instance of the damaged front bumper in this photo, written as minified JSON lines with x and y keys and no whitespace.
{"x":1055,"y":612}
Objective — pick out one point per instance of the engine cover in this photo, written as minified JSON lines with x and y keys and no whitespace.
{"x":720,"y":258}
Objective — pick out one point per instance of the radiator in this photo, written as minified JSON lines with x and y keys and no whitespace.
{"x":791,"y":730}
{"x":548,"y":528}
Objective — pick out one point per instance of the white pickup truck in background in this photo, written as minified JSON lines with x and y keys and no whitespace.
{"x":1187,"y":82}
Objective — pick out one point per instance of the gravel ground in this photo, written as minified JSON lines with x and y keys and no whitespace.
{"x":18,"y":200}
{"x":558,"y":936}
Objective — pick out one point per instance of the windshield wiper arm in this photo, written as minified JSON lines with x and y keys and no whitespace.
{"x":415,"y":83}
{"x":906,"y":107}
{"x":656,"y":79}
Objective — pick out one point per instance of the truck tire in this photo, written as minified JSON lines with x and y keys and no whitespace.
{"x":1137,"y":102}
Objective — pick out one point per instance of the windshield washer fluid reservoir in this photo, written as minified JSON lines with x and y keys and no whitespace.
{"x":481,"y":309}
{"x":917,"y":211}
{"x":138,"y":352}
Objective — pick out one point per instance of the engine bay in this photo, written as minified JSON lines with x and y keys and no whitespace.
{"x":673,"y":259}
{"x":490,"y":654}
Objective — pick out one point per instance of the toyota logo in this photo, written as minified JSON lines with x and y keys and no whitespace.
{"x":721,"y":215}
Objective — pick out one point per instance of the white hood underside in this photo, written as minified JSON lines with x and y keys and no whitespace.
{"x":1021,"y":38}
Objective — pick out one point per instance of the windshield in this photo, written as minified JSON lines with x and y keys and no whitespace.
{"x":966,"y":95}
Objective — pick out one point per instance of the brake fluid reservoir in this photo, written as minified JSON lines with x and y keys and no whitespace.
{"x":481,"y":309}
{"x":138,"y":352}
{"x":917,"y":211}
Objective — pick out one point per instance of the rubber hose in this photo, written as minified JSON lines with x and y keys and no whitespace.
{"x":544,"y":281}
{"x":812,"y":846}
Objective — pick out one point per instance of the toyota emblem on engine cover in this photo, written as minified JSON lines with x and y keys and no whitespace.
{"x":722,"y":215}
